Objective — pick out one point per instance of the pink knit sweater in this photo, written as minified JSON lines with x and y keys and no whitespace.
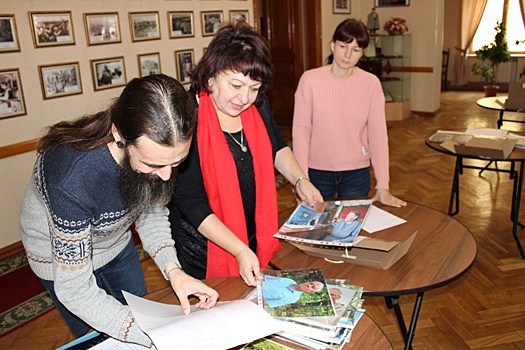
{"x":339,"y":123}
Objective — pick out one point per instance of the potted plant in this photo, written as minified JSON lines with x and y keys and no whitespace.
{"x":489,"y":57}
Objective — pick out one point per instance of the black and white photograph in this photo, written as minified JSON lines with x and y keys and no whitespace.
{"x":239,"y":16}
{"x":11,"y":97}
{"x":60,"y":79}
{"x":8,"y":34}
{"x":52,"y":28}
{"x":144,"y":26}
{"x":108,"y":73}
{"x":211,"y":21}
{"x":181,"y":24}
{"x":149,"y":64}
{"x":102,"y":28}
{"x":341,"y":6}
{"x":184,"y":61}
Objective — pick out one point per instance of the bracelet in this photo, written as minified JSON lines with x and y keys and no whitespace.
{"x":239,"y":252}
{"x":297,"y":182}
{"x":173,"y":268}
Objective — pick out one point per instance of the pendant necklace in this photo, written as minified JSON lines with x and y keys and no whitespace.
{"x":241,"y":144}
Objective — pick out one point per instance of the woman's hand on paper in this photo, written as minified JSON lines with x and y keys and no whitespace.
{"x":383,"y":195}
{"x":184,"y":285}
{"x":249,"y":268}
{"x":308,"y":192}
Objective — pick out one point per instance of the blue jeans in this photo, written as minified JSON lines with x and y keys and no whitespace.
{"x":122,"y":273}
{"x":341,"y":184}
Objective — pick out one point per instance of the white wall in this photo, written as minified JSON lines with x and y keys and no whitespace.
{"x":427,"y":37}
{"x":15,"y":171}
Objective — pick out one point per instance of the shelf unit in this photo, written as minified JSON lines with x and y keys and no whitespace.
{"x":387,"y":57}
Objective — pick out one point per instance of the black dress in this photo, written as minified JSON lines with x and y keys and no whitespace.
{"x":189,"y":205}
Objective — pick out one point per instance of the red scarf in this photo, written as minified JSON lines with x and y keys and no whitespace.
{"x":222,"y":186}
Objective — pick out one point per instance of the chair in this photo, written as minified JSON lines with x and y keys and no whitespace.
{"x":444,"y":69}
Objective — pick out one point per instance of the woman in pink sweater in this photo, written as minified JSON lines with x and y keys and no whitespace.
{"x":339,"y":124}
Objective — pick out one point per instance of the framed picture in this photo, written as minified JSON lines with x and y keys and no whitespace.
{"x":102,"y":28}
{"x":184,"y":61}
{"x":11,"y":97}
{"x":144,"y":26}
{"x":108,"y":73}
{"x":60,"y":80}
{"x":149,"y":63}
{"x":8,"y":34}
{"x":181,"y":24}
{"x":239,"y":16}
{"x":211,"y":21}
{"x":51,"y":28}
{"x":341,"y":6}
{"x":379,"y":3}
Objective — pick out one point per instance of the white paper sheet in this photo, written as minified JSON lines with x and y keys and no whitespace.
{"x":226,"y":325}
{"x":378,"y":219}
{"x":487,"y":132}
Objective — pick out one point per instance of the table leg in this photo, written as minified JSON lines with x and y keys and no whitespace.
{"x":500,"y":121}
{"x":408,"y":335}
{"x":515,"y":208}
{"x":454,"y":192}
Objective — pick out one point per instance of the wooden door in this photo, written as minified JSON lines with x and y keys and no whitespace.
{"x":292,"y":28}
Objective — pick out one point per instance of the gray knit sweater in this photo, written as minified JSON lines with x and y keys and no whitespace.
{"x":73,"y":222}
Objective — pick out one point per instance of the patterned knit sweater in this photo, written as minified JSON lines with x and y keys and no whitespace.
{"x":73,"y":222}
{"x":339,"y":123}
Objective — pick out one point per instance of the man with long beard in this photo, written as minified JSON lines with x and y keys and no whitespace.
{"x":94,"y":177}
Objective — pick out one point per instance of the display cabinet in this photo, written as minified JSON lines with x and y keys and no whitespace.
{"x":388,"y":57}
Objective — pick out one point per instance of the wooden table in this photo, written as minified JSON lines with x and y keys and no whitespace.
{"x":498,"y":104}
{"x":517,"y":157}
{"x":366,"y":334}
{"x":442,"y":251}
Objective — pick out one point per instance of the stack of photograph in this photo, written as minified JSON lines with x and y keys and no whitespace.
{"x":315,"y":313}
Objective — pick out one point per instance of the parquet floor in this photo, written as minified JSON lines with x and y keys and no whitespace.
{"x":485,"y":309}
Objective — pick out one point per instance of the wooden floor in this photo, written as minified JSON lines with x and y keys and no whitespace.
{"x":483,"y":310}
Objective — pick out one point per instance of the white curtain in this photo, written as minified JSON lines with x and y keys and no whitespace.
{"x":522,"y":8}
{"x":471,"y":13}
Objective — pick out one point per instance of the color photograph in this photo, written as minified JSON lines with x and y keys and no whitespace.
{"x":296,"y":293}
{"x":52,"y":28}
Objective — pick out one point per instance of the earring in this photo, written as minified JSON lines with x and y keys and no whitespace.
{"x":120,"y":144}
{"x":210,"y":83}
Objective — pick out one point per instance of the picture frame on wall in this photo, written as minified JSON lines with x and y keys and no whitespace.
{"x":379,"y":3}
{"x":184,"y":60}
{"x":149,"y":63}
{"x":108,"y":73}
{"x":239,"y":16}
{"x":181,"y":24}
{"x":51,"y":28}
{"x":144,"y":26}
{"x":341,"y":6}
{"x":58,"y":80}
{"x":12,"y":102}
{"x":8,"y":34}
{"x":210,"y":21}
{"x":102,"y":28}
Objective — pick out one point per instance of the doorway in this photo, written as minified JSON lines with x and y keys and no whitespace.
{"x":293,"y":29}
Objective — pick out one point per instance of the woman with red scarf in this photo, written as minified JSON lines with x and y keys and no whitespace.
{"x":224,"y":211}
